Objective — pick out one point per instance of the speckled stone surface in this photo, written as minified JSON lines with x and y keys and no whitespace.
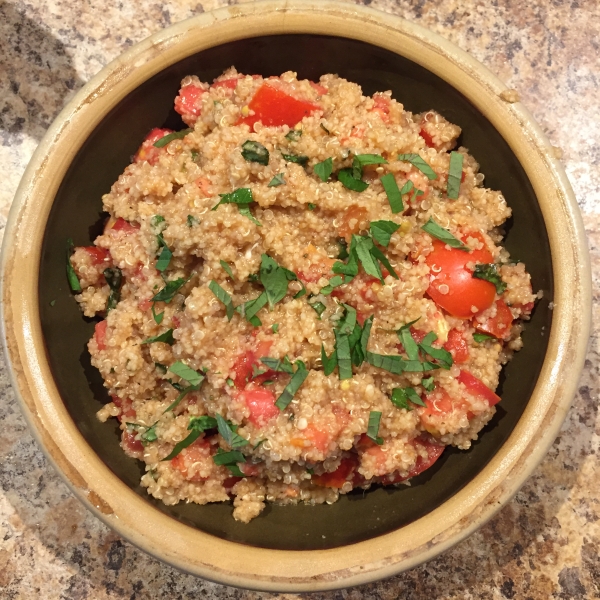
{"x":542,"y":545}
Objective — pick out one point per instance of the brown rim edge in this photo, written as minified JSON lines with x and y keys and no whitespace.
{"x":236,"y":564}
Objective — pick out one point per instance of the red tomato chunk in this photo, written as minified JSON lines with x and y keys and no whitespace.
{"x":498,"y":326}
{"x":261,"y":403}
{"x":477,"y":388}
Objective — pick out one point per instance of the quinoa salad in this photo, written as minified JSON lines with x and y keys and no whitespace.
{"x":302,"y":293}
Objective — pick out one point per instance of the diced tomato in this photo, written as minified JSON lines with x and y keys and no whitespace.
{"x":476,"y":387}
{"x":428,"y":139}
{"x":145,"y":305}
{"x":125,"y":226}
{"x":320,"y":439}
{"x":130,"y":444}
{"x":320,"y":266}
{"x":525,"y":308}
{"x":437,"y":403}
{"x":261,"y":403}
{"x":498,"y":326}
{"x":320,"y":89}
{"x":457,"y":346}
{"x":273,"y":108}
{"x":205,"y":186}
{"x":230,"y":482}
{"x":100,"y":334}
{"x":352,"y":221}
{"x":97,"y":255}
{"x":189,"y":103}
{"x":434,"y":451}
{"x":382,"y":107}
{"x":148,"y":151}
{"x":417,"y":334}
{"x":465,"y":295}
{"x":230,"y":84}
{"x":249,"y":470}
{"x":340,"y":476}
{"x":187,"y":460}
{"x":245,"y":365}
{"x":126,"y":407}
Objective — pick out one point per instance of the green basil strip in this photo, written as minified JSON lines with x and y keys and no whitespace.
{"x":346,"y":325}
{"x":489,"y":272}
{"x":346,"y":178}
{"x":362,"y":160}
{"x":275,"y":279}
{"x":363,"y":248}
{"x":373,"y":429}
{"x":438,"y":232}
{"x":277,"y":180}
{"x":410,"y":346}
{"x":228,"y":458}
{"x":344,"y":358}
{"x":407,"y":187}
{"x":191,"y":221}
{"x":170,"y":290}
{"x":392,"y":192}
{"x":366,"y":332}
{"x":113,"y":277}
{"x":275,"y":327}
{"x":480,"y":338}
{"x":223,"y":296}
{"x":229,"y":435}
{"x":227,"y":269}
{"x":343,"y":249}
{"x":197,"y":426}
{"x":391,"y":363}
{"x":454,"y":175}
{"x":293,"y":386}
{"x":439,"y":354}
{"x":318,"y":307}
{"x":176,"y":135}
{"x":241,"y":197}
{"x":183,"y":393}
{"x":380,"y":256}
{"x":255,"y":152}
{"x":382,"y":231}
{"x":158,"y":318}
{"x":416,"y":161}
{"x":280,"y":366}
{"x":402,"y":396}
{"x":249,"y":309}
{"x":329,"y":363}
{"x":182,"y":370}
{"x":149,"y":435}
{"x":71,"y":275}
{"x":324,"y":169}
{"x":293,"y":158}
{"x":164,"y":259}
{"x":166,"y":337}
{"x":356,"y":353}
{"x":333,"y":283}
{"x":301,"y":293}
{"x":428,"y":384}
{"x":293,"y":135}
{"x":245,"y":211}
{"x":311,"y":206}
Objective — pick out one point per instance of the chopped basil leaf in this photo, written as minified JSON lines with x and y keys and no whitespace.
{"x":325,"y":129}
{"x":362,"y":160}
{"x":277,"y":180}
{"x":197,"y":426}
{"x":258,"y":444}
{"x":275,"y":279}
{"x":230,"y":382}
{"x":158,"y":318}
{"x":344,"y":357}
{"x":71,"y":275}
{"x":416,"y":193}
{"x":348,"y":321}
{"x":223,"y":296}
{"x":363,"y":248}
{"x":275,"y":327}
{"x":183,"y":392}
{"x":364,"y":337}
{"x":301,"y":293}
{"x":443,"y":356}
{"x":252,"y":278}
{"x":329,"y":363}
{"x":407,"y":187}
{"x":391,"y":363}
{"x":166,"y":337}
{"x":318,"y":307}
{"x":416,"y":161}
{"x":164,"y":259}
{"x":324,"y":169}
{"x":230,"y":460}
{"x":428,"y":384}
{"x":242,"y":197}
{"x":245,"y":211}
{"x":410,"y":346}
{"x":382,"y":231}
{"x":160,"y":368}
{"x":227,"y":269}
{"x":334,"y":282}
{"x":373,"y":429}
{"x":176,"y":135}
{"x":280,"y":366}
{"x":249,"y":309}
{"x":298,"y":159}
{"x":195,"y":155}
{"x":293,"y":135}
{"x":149,"y":435}
{"x":231,"y":438}
{"x":380,"y":256}
{"x":170,"y":290}
{"x":191,"y":221}
{"x":113,"y":277}
{"x":255,"y":152}
{"x":343,"y":248}
{"x":311,"y":206}
{"x":293,"y":386}
{"x":392,"y":192}
{"x":438,"y":232}
{"x":157,"y":224}
{"x":489,"y":272}
{"x":182,"y":370}
{"x":402,"y":396}
{"x":481,"y":338}
{"x":350,"y":182}
{"x":454,"y":175}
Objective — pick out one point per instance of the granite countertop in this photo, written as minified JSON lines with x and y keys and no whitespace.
{"x":544,"y":544}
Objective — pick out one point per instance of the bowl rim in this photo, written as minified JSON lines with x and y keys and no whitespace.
{"x":227,"y":562}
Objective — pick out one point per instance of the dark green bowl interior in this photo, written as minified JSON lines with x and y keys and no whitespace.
{"x":76,"y":214}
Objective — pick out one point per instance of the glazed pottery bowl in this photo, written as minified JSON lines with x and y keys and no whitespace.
{"x":365,"y":536}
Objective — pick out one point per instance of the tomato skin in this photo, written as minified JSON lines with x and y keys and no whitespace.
{"x":434,"y":451}
{"x":457,"y":346}
{"x":498,"y":326}
{"x":125,"y":226}
{"x":261,"y":403}
{"x":97,"y":255}
{"x":448,"y":267}
{"x":244,"y":366}
{"x":273,"y":108}
{"x":320,"y":89}
{"x":189,"y":102}
{"x":130,"y":444}
{"x":340,"y":476}
{"x":197,"y":452}
{"x":100,"y":334}
{"x":147,"y":151}
{"x":476,"y":387}
{"x":427,"y":138}
{"x":353,"y":218}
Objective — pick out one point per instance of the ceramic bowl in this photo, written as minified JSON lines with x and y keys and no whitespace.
{"x":365,"y":536}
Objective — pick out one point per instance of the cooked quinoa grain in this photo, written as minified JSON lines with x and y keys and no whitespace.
{"x":302,"y":294}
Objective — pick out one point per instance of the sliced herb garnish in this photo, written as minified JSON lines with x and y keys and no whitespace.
{"x":325,"y":129}
{"x":164,"y":259}
{"x":428,"y":384}
{"x":182,"y":370}
{"x":301,"y":293}
{"x":295,"y":158}
{"x":258,"y":444}
{"x":329,"y":362}
{"x":410,"y":346}
{"x":275,"y":279}
{"x":489,"y":272}
{"x":343,"y":249}
{"x":416,"y":161}
{"x":324,"y":169}
{"x":407,"y":187}
{"x":293,"y":135}
{"x":170,"y":290}
{"x":197,"y":426}
{"x":454,"y":175}
{"x":71,"y":275}
{"x":311,"y":206}
{"x":242,"y":198}
{"x":350,"y":182}
{"x":228,"y":432}
{"x":362,"y":160}
{"x":160,"y":368}
{"x":195,"y":154}
{"x":443,"y":357}
{"x":278,"y":365}
{"x":344,"y":356}
{"x":275,"y":327}
{"x":227,"y":269}
{"x":293,"y":386}
{"x":176,"y":135}
{"x":158,"y":317}
{"x":334,"y":282}
{"x":438,"y":232}
{"x":366,"y":253}
{"x":255,"y":152}
{"x":149,"y":435}
{"x":249,"y":309}
{"x":183,"y":392}
{"x":230,"y":382}
{"x":382,"y":231}
{"x":113,"y":277}
{"x":166,"y":337}
{"x":388,"y":181}
{"x":481,"y":338}
{"x":230,"y":460}
{"x":277,"y":180}
{"x":318,"y":307}
{"x":402,"y":396}
{"x":191,"y":221}
{"x":373,"y":429}
{"x":223,"y":296}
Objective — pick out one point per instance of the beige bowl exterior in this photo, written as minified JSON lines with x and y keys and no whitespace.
{"x":192,"y":550}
